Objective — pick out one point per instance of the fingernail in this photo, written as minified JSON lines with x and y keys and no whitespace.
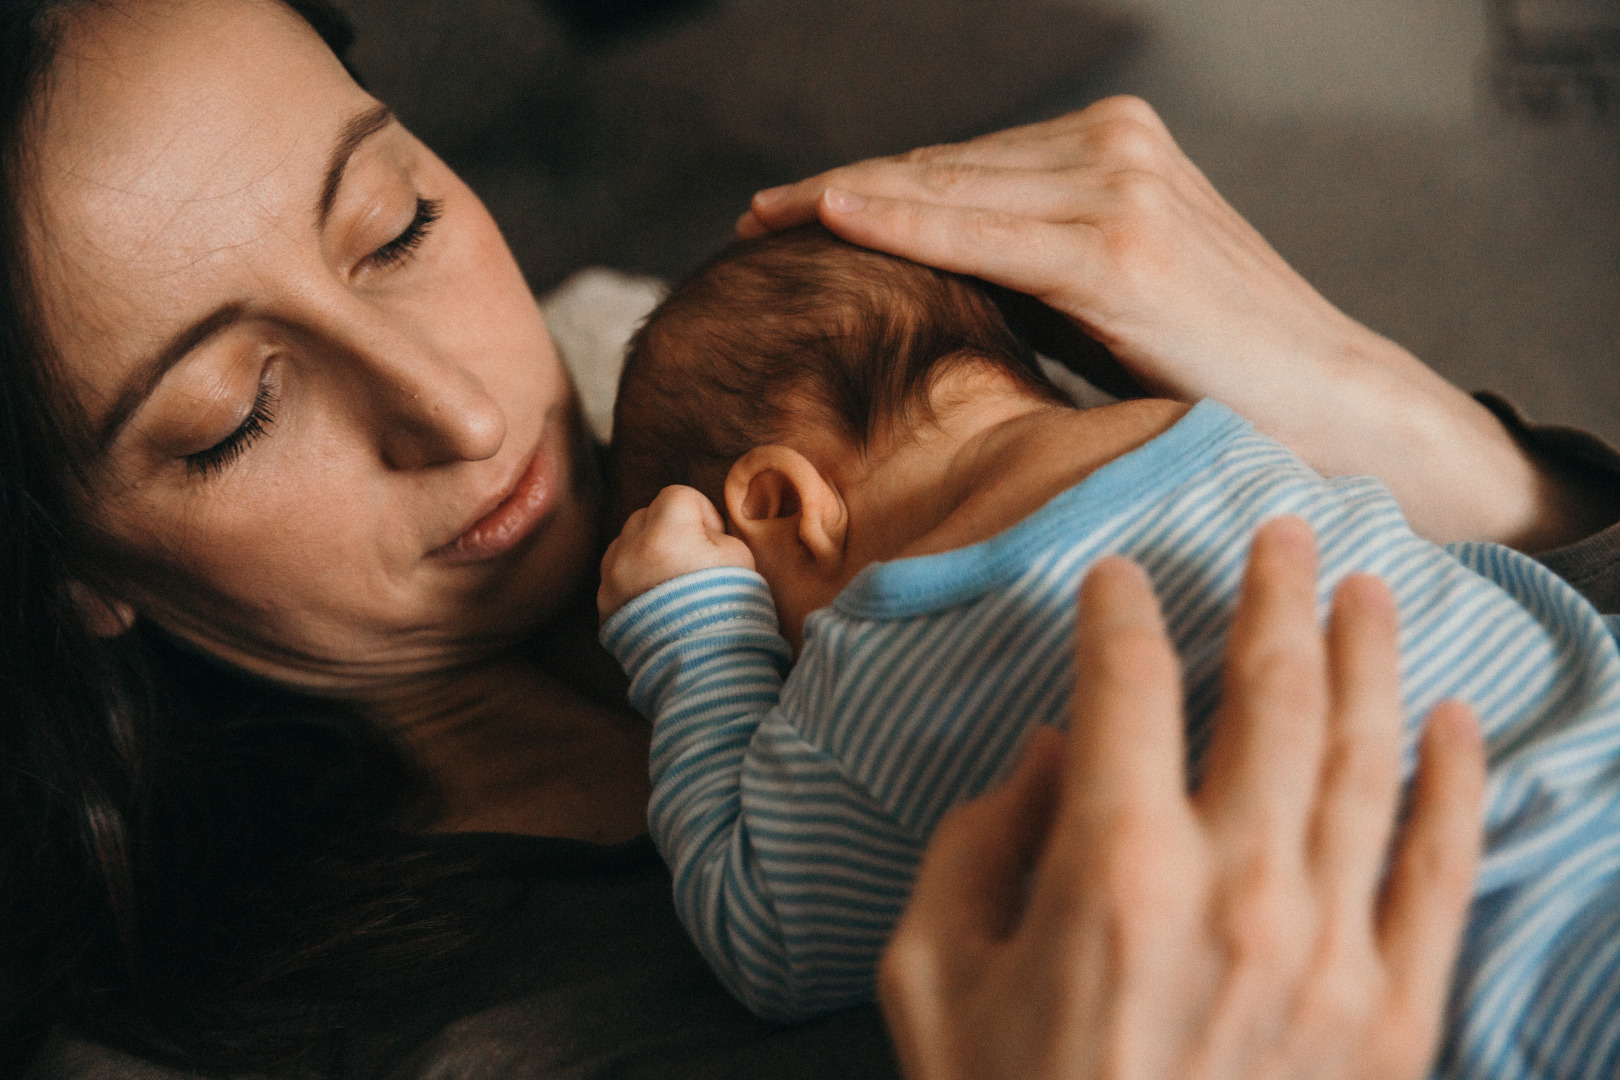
{"x":771,"y":196}
{"x":844,"y":202}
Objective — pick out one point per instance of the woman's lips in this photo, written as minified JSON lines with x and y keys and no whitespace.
{"x":514,"y":519}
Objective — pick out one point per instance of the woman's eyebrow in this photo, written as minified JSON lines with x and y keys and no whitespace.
{"x":355,"y":132}
{"x":149,"y":372}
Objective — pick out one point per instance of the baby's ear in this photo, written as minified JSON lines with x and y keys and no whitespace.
{"x":776,"y":499}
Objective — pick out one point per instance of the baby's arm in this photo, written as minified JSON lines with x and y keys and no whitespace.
{"x":679,"y":533}
{"x":698,"y":636}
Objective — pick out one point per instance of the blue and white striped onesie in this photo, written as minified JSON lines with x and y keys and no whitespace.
{"x":793,"y":807}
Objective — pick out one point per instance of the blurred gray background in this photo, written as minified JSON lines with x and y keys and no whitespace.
{"x":1362,"y":138}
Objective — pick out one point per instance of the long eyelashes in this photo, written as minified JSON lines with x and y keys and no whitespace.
{"x":214,"y":459}
{"x":222,"y":454}
{"x":405,"y":244}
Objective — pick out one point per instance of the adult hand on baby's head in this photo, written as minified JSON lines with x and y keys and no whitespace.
{"x":1091,"y":919}
{"x":1101,"y":216}
{"x":681,"y":532}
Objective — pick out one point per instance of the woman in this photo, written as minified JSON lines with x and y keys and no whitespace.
{"x":299,"y":522}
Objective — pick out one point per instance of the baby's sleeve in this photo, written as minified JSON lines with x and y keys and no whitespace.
{"x":741,"y":804}
{"x":700,"y":648}
{"x":1537,"y":985}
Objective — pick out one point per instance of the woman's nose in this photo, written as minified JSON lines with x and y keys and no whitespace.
{"x":439,"y":420}
{"x":429,"y":409}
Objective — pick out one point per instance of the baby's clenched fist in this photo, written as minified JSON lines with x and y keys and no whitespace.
{"x":679,"y":533}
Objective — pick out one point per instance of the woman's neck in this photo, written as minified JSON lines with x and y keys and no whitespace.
{"x":512,"y":747}
{"x":515,"y":750}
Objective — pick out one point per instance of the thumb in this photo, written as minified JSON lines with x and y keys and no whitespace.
{"x":971,"y":883}
{"x":968,"y":895}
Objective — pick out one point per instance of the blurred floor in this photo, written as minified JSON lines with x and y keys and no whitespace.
{"x":1361,"y":139}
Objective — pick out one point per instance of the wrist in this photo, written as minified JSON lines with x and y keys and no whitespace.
{"x":621,"y":584}
{"x":681,"y":612}
{"x":626,"y":578}
{"x":1456,"y":471}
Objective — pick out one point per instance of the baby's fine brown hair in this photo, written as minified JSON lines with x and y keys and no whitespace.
{"x":797,"y":324}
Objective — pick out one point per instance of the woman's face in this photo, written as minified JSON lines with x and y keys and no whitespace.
{"x":332,"y":440}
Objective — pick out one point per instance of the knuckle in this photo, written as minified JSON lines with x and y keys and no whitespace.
{"x":1131,"y":872}
{"x":1261,"y":925}
{"x":1135,"y":249}
{"x":894,"y":967}
{"x":666,"y":545}
{"x":926,"y":155}
{"x":1125,"y":141}
{"x":918,"y":959}
{"x":1446,"y":876}
{"x":1284,"y":678}
{"x":1325,"y":1005}
{"x":1454,"y":881}
{"x":1132,"y":108}
{"x":1407,"y":1034}
{"x":908,"y":951}
{"x":1361,"y":770}
{"x":1137,"y":891}
{"x":946,"y":179}
{"x":1144,"y":228}
{"x":901,"y":971}
{"x":992,"y":228}
{"x":1342,"y":991}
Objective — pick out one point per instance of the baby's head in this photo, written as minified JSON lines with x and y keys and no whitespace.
{"x":819,"y":395}
{"x":793,"y":334}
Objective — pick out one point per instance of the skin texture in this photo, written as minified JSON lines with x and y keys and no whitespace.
{"x":179,"y":165}
{"x":1241,"y":931}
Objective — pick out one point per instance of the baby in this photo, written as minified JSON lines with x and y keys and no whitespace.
{"x":858,"y":601}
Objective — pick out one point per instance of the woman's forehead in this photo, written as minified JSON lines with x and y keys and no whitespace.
{"x":171,"y":133}
{"x":183,"y":100}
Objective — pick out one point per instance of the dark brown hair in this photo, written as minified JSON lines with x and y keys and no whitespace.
{"x":197,"y":866}
{"x":793,"y":326}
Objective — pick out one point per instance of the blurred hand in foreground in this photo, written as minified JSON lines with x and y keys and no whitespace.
{"x":1092,"y":919}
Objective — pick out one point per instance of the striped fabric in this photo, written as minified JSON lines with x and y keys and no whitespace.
{"x":793,"y":808}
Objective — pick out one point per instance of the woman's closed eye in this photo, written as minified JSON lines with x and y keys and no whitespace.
{"x":403,"y":246}
{"x":213,"y":460}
